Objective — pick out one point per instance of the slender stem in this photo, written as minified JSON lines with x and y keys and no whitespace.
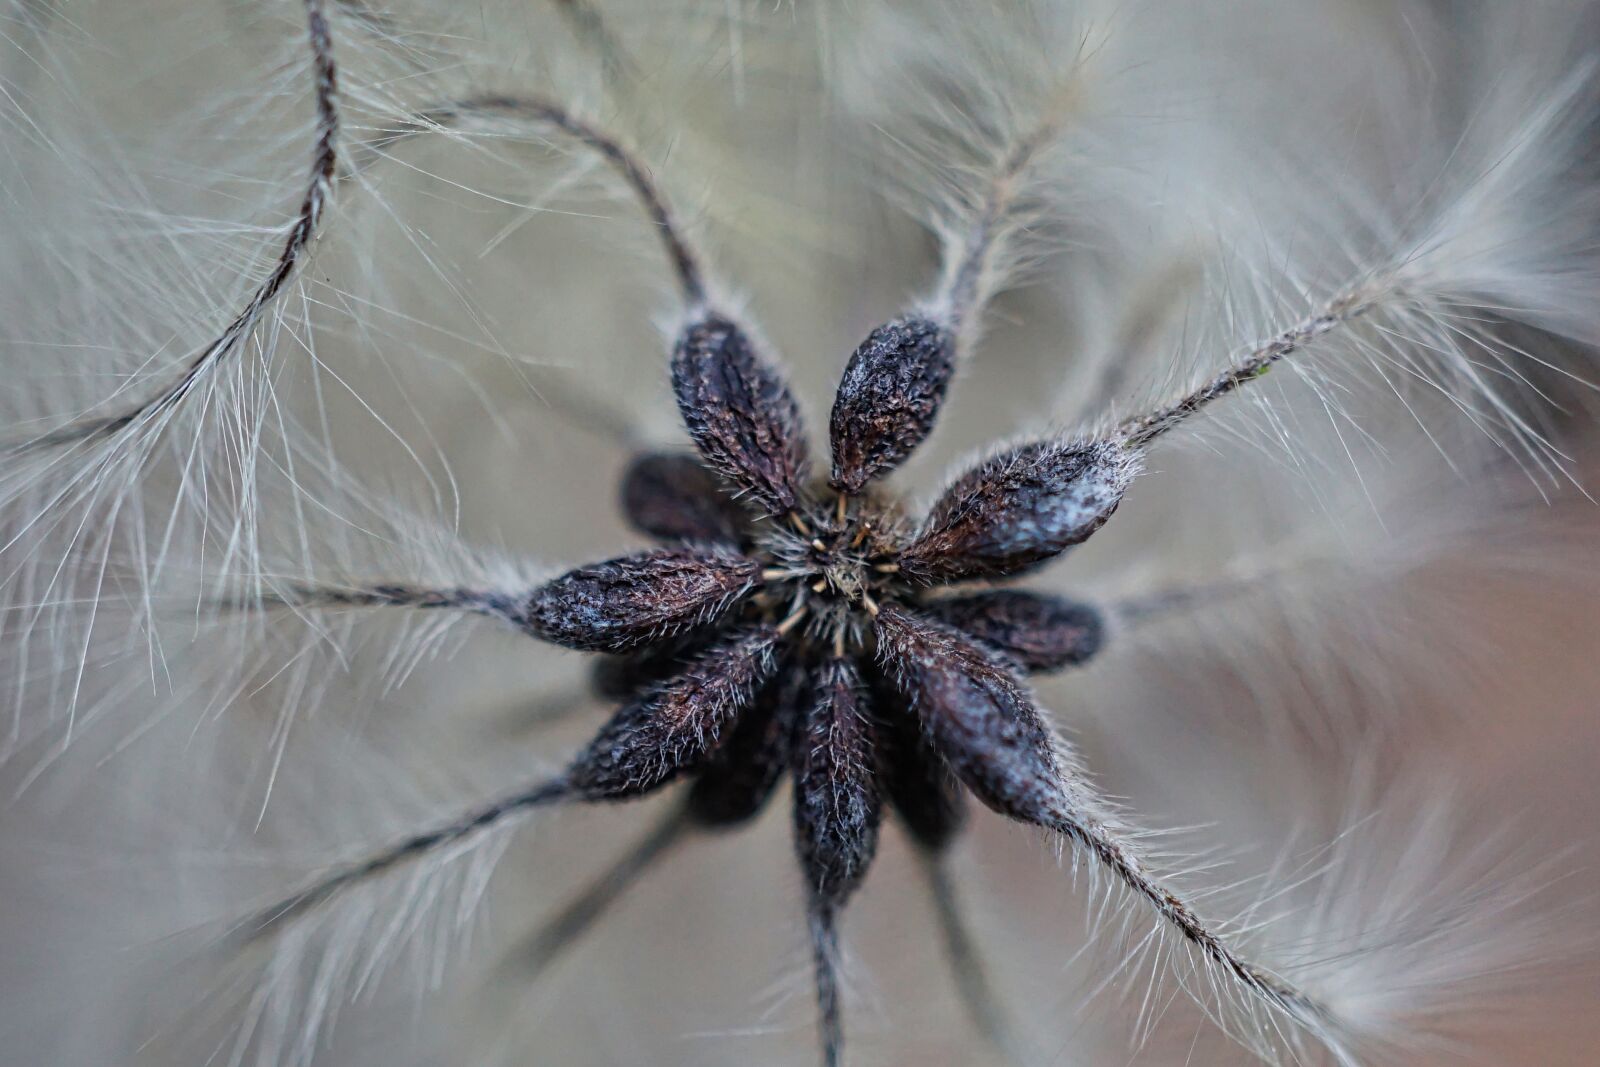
{"x":1149,"y":310}
{"x":628,"y":166}
{"x":296,"y":246}
{"x":824,"y":952}
{"x":972,"y":978}
{"x":493,"y":603}
{"x":561,"y":930}
{"x":962,"y":293}
{"x":1141,"y":430}
{"x":597,"y":415}
{"x":1158,"y":603}
{"x":589,"y":26}
{"x":1109,"y":847}
{"x":412,"y":848}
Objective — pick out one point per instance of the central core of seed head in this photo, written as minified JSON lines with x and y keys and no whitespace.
{"x":831,"y":568}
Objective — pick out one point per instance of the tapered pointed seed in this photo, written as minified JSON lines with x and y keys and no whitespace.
{"x":631,"y":601}
{"x":743,"y":774}
{"x":836,"y":813}
{"x":983,"y":721}
{"x":740,"y":414}
{"x":1019,"y":509}
{"x":677,"y":726}
{"x":672,"y":497}
{"x":975,"y":712}
{"x":888,"y":399}
{"x":1037,"y":631}
{"x":836,"y":807}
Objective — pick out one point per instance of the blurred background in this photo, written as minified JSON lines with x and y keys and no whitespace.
{"x":1407,"y":700}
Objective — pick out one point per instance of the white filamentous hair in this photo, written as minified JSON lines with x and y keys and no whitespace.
{"x":305,"y":299}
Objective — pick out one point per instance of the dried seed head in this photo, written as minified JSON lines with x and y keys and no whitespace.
{"x":745,"y":770}
{"x":976,"y":712}
{"x":630,"y":601}
{"x":652,"y":740}
{"x":672,"y":497}
{"x":888,"y":399}
{"x":836,"y":809}
{"x":740,"y":414}
{"x":920,"y":788}
{"x":1019,"y":509}
{"x":1037,"y":631}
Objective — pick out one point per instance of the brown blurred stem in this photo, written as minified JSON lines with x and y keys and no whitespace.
{"x":559,"y":932}
{"x":538,"y":111}
{"x":966,"y":964}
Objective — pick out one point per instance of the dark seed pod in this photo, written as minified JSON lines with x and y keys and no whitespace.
{"x":676,"y":727}
{"x":630,"y":601}
{"x":626,"y":675}
{"x":836,"y":807}
{"x":741,"y":777}
{"x":888,"y":399}
{"x":920,"y":788}
{"x":975,"y":712}
{"x":1018,"y":509}
{"x":1037,"y":631}
{"x":671,"y":497}
{"x":983,"y":721}
{"x":740,"y":414}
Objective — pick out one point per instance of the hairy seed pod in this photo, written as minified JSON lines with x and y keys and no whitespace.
{"x":1037,"y":631}
{"x":1019,"y":509}
{"x":677,"y":726}
{"x":888,"y":399}
{"x":672,"y":497}
{"x":920,"y":788}
{"x":624,"y":603}
{"x":743,"y":774}
{"x":836,"y":806}
{"x":740,"y":414}
{"x":975,"y":711}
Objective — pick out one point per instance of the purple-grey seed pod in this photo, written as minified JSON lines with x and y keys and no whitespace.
{"x":1020,"y":508}
{"x":836,"y":807}
{"x":677,"y":726}
{"x":672,"y":497}
{"x":625,"y":603}
{"x":1037,"y":631}
{"x":740,"y":414}
{"x":888,"y":399}
{"x":978,"y":715}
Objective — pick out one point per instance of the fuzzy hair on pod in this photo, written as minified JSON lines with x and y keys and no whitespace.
{"x":630,"y":601}
{"x":888,"y":399}
{"x":740,"y":413}
{"x":835,"y":797}
{"x":1020,"y":508}
{"x":977,"y":713}
{"x":678,"y":725}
